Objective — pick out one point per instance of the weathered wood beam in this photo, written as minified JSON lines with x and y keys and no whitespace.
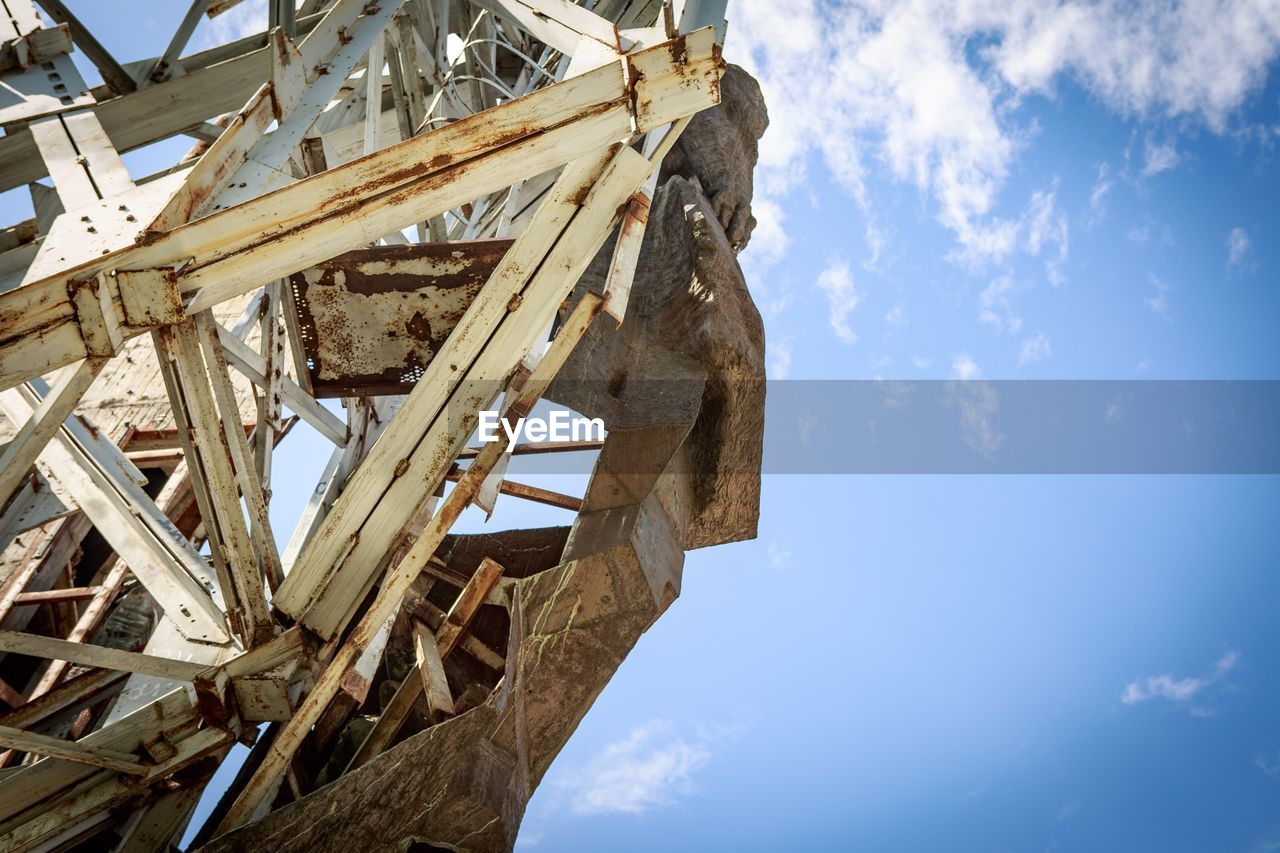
{"x":21,"y":452}
{"x":530,"y":493}
{"x":235,"y":250}
{"x":209,"y":448}
{"x":86,"y":654}
{"x":77,"y":593}
{"x":112,"y":792}
{"x":94,"y":756}
{"x":71,"y":695}
{"x":557,"y":23}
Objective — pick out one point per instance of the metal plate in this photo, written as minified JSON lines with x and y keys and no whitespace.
{"x":371,"y":320}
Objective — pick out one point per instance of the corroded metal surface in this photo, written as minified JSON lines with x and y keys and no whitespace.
{"x":372,"y":319}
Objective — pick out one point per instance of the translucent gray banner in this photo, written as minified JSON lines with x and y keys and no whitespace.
{"x":994,"y":427}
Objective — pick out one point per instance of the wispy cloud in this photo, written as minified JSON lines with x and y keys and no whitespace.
{"x":1159,"y":157}
{"x":995,"y":306}
{"x":1270,"y":765}
{"x":897,"y":316}
{"x":1033,"y":349}
{"x":1097,"y":196}
{"x":779,"y":359}
{"x":964,"y":367}
{"x":650,"y":768}
{"x":244,"y":19}
{"x":929,"y":90}
{"x":876,"y":241}
{"x":1069,"y":810}
{"x":779,"y":557}
{"x":842,"y":299}
{"x":1180,"y":691}
{"x":1239,"y":251}
{"x":1158,"y":303}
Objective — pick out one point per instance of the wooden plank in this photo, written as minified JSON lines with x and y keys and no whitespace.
{"x":96,"y":316}
{"x":557,"y":23}
{"x":37,"y":788}
{"x":260,"y":535}
{"x":86,"y":624}
{"x":71,"y":695}
{"x":78,"y":593}
{"x":106,"y":169}
{"x":467,"y":605}
{"x":94,"y":756}
{"x":431,"y":668}
{"x":530,"y":493}
{"x":113,"y":792}
{"x":163,"y":67}
{"x":86,"y":654}
{"x":212,"y":456}
{"x":70,"y":178}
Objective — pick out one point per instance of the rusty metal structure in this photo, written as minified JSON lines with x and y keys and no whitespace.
{"x":425,"y":209}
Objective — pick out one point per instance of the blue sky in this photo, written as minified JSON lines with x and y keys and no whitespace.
{"x":1011,"y":190}
{"x":1005,"y":191}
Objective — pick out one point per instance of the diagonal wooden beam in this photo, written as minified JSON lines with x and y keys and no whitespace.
{"x":22,"y":451}
{"x":209,"y":448}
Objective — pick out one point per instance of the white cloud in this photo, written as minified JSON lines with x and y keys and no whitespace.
{"x":979,"y":407}
{"x":897,"y":316}
{"x":1101,"y":186}
{"x":769,"y":240}
{"x":963,"y":367}
{"x":1179,"y":690}
{"x":995,"y":309}
{"x":922,"y":362}
{"x":245,"y":19}
{"x":876,"y":241}
{"x":647,"y":769}
{"x":842,"y":298}
{"x":1069,"y":810}
{"x":1238,"y":248}
{"x":1159,"y":303}
{"x":1047,"y":227}
{"x":1159,"y":158}
{"x":930,"y":89}
{"x":779,"y":557}
{"x":779,"y":359}
{"x":1035,"y":348}
{"x":1267,"y":765}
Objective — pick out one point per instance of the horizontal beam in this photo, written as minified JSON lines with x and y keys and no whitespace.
{"x":67,"y":750}
{"x":86,"y":654}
